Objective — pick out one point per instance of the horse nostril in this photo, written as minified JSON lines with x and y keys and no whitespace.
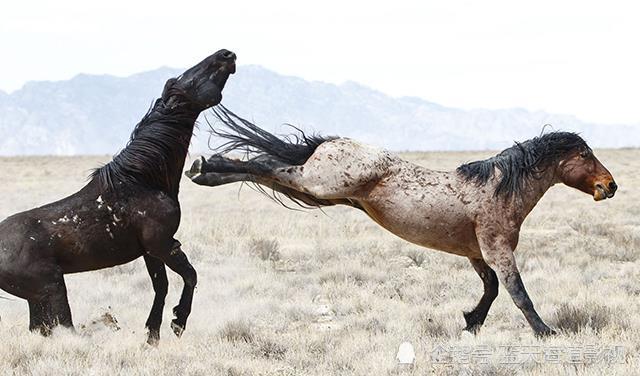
{"x":613,"y":186}
{"x":229,"y":55}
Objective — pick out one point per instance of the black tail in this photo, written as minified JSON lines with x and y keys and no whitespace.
{"x":242,"y":135}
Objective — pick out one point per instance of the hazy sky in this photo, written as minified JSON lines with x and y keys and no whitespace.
{"x":574,"y":57}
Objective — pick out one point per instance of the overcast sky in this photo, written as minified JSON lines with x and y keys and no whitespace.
{"x":573,"y":57}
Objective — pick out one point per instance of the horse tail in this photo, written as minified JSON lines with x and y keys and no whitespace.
{"x":242,"y":135}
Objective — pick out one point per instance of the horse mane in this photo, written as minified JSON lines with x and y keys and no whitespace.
{"x":523,"y":161}
{"x":151,"y":158}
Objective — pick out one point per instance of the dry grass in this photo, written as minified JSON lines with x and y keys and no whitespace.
{"x":306,"y":293}
{"x":575,"y":319}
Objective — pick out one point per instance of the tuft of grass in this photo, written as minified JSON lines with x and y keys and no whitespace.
{"x":269,"y":349}
{"x":432,"y":328}
{"x":372,"y":325}
{"x":575,"y":319}
{"x":265,"y":249}
{"x":338,"y":276}
{"x":417,"y":256}
{"x":237,"y":331}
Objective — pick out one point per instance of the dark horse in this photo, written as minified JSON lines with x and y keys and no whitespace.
{"x":128,"y":209}
{"x":475,"y":211}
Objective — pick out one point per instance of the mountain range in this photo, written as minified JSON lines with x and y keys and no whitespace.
{"x":94,"y":114}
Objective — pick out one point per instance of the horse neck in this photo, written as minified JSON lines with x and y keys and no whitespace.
{"x":156,"y":153}
{"x":535,"y":189}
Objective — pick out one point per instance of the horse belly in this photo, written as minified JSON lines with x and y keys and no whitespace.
{"x":85,"y":240}
{"x":447,"y":230}
{"x":97,"y":249}
{"x":99,"y":257}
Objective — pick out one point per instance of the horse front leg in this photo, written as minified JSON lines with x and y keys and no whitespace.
{"x":497,"y":252}
{"x":476,"y":317}
{"x":177,"y":261}
{"x":158,"y":274}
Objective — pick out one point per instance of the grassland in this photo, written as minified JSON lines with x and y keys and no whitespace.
{"x":285,"y":292}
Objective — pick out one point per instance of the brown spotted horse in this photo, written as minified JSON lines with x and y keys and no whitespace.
{"x":475,"y":211}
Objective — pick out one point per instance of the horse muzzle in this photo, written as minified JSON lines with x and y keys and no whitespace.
{"x":604,"y":191}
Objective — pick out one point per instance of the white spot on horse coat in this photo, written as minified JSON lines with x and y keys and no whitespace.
{"x":64,"y":219}
{"x":32,"y":238}
{"x":99,"y":200}
{"x":109,"y":231}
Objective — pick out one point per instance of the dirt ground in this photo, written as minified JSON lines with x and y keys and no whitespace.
{"x":285,"y":292}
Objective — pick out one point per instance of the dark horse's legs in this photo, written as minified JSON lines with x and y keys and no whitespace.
{"x":177,"y":261}
{"x":158,"y":274}
{"x":476,"y":317}
{"x":49,"y":306}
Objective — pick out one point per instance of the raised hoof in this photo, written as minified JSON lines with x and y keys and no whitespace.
{"x":196,"y":168}
{"x":177,"y":328}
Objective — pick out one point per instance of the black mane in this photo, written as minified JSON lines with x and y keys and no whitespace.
{"x":155,"y":153}
{"x":523,"y":161}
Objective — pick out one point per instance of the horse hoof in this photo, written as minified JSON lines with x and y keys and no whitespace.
{"x":473,"y":325}
{"x":548,"y":332}
{"x":177,"y":328}
{"x":153,"y":341}
{"x":473,"y":329}
{"x":153,"y":337}
{"x":196,"y":168}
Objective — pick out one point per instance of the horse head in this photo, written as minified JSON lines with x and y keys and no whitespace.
{"x":583,"y":171}
{"x":201,"y":86}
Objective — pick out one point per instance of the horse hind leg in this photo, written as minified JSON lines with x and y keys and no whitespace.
{"x":214,"y":179}
{"x":215,"y":172}
{"x":324,"y":177}
{"x":476,"y":317}
{"x":50,"y":307}
{"x":215,"y":164}
{"x":38,"y":309}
